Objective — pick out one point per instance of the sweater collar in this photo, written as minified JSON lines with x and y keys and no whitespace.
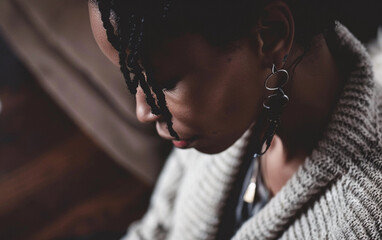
{"x":350,"y":135}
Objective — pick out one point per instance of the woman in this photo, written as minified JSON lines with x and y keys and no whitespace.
{"x":273,"y":109}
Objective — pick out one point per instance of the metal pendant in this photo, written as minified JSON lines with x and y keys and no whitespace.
{"x":249,"y":195}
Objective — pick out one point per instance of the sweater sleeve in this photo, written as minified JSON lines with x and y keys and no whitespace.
{"x":157,"y":222}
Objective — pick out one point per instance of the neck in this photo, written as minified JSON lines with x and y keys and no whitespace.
{"x":313,"y":89}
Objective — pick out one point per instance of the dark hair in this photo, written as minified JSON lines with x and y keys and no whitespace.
{"x":139,"y":25}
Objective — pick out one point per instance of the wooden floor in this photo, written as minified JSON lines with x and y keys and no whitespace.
{"x":54,"y":181}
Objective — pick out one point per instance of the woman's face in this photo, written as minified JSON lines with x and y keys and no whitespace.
{"x":217,"y":93}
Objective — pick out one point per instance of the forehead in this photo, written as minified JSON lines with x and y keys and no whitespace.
{"x":177,"y":53}
{"x":100,"y":36}
{"x":167,"y":58}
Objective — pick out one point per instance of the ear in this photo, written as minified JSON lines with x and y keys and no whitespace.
{"x":275,"y":33}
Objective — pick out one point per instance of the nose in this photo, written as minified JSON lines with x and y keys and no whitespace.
{"x":143,"y":110}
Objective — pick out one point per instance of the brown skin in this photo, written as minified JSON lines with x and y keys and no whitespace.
{"x":220,"y":93}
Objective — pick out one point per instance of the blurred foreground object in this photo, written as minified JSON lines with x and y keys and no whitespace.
{"x":53,"y":38}
{"x":375,"y":49}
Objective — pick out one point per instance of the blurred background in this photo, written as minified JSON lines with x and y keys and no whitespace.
{"x":74,"y":161}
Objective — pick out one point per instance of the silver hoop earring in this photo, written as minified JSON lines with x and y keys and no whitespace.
{"x":274,"y":103}
{"x":269,"y":120}
{"x":275,"y":82}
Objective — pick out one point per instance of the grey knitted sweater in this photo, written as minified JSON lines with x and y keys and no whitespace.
{"x":335,"y":194}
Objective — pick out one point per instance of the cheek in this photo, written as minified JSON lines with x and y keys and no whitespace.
{"x":238,"y":95}
{"x":238,"y":108}
{"x":216,"y":108}
{"x":187,"y":116}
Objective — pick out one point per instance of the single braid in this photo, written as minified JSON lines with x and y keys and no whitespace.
{"x":164,"y":109}
{"x":132,"y":84}
{"x":105,"y":8}
{"x":132,"y":26}
{"x":149,"y":97}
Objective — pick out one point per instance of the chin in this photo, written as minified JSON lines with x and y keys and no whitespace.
{"x":214,"y":149}
{"x":218,"y":144}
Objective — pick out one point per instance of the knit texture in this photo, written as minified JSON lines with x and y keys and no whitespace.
{"x":335,"y":194}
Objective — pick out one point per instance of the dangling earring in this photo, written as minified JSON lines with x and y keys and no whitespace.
{"x":273,"y":107}
{"x":274,"y":103}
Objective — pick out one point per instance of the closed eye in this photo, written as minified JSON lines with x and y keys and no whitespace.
{"x":170,"y":85}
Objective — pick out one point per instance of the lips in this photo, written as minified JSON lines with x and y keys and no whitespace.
{"x":182,"y":143}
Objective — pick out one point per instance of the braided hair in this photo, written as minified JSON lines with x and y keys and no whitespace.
{"x":129,"y":35}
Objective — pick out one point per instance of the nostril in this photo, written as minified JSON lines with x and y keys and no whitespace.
{"x":160,"y":118}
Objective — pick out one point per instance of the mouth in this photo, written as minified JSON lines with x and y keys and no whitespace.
{"x":182,"y":143}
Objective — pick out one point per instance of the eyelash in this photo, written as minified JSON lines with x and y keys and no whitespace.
{"x":170,"y":86}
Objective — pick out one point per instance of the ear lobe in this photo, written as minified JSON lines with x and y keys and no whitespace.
{"x":275,"y":31}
